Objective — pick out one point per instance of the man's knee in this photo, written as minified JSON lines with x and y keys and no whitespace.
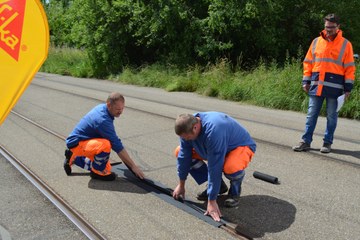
{"x":105,"y":145}
{"x":237,"y":176}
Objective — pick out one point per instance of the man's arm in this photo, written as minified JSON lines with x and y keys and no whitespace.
{"x":308,"y":66}
{"x":350,"y":69}
{"x":124,"y":156}
{"x":184,"y":159}
{"x":183,"y":168}
{"x":216,"y":145}
{"x":215,"y":165}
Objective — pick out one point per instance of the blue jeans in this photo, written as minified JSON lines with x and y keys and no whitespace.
{"x":315,"y":104}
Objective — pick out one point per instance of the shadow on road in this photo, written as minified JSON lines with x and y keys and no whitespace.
{"x":258,"y":214}
{"x":355,"y":154}
{"x":125,"y":182}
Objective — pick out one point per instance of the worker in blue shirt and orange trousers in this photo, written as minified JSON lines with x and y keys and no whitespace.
{"x":90,"y":143}
{"x":224,"y":144}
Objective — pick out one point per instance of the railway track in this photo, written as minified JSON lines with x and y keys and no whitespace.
{"x":233,"y":229}
{"x":82,"y":224}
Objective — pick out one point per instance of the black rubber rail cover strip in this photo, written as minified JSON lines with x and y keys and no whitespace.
{"x":165,"y":194}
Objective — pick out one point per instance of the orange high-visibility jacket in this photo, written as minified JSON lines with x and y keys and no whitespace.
{"x":329,"y":66}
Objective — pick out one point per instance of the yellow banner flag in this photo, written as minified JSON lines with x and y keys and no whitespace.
{"x":24,"y":44}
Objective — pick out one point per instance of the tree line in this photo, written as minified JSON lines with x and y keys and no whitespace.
{"x":118,"y":33}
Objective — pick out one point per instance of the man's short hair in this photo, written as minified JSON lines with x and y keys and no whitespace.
{"x":332,"y":17}
{"x":114,"y":97}
{"x":184,"y":123}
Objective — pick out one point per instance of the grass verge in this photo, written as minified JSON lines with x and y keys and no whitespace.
{"x":266,"y":86}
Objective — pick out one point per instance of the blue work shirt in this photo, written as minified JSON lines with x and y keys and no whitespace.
{"x":219,"y":135}
{"x":98,"y":123}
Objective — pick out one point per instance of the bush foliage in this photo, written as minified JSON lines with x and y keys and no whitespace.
{"x":118,"y":33}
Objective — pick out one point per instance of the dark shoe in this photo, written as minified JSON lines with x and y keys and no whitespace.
{"x":232,"y":201}
{"x":111,"y":177}
{"x":302,"y":146}
{"x":67,"y":166}
{"x":202,"y":196}
{"x":326,"y":148}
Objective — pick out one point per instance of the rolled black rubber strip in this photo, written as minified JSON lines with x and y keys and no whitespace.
{"x":266,"y":177}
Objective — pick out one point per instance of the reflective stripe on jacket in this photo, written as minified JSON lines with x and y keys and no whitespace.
{"x":329,"y":66}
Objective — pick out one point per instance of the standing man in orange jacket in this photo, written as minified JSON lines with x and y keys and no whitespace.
{"x":329,"y":72}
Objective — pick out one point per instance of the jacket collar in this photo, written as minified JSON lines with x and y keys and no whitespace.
{"x":338,"y":35}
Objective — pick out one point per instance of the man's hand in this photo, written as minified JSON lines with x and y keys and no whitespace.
{"x":347,"y":95}
{"x":179,"y":192}
{"x":130,"y":164}
{"x":213,"y":210}
{"x":137,"y":171}
{"x":306,"y":87}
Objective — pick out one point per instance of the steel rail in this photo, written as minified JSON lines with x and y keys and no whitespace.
{"x":82,"y":224}
{"x":39,"y":126}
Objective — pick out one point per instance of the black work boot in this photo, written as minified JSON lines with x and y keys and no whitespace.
{"x":111,"y":177}
{"x":326,"y":148}
{"x":67,"y":166}
{"x":301,"y":147}
{"x":202,"y":196}
{"x":232,"y":201}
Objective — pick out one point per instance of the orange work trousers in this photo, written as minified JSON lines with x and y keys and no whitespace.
{"x":92,"y":154}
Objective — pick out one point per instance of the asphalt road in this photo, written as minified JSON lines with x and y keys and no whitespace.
{"x":26,"y":214}
{"x":317,"y":198}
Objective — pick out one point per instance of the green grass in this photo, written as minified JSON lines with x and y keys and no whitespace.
{"x":67,"y":61}
{"x":267,"y":86}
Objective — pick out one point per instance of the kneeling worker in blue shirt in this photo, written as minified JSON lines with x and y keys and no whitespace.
{"x":90,"y":143}
{"x":224,"y":144}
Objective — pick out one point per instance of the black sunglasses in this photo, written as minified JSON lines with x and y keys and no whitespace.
{"x":331,"y":27}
